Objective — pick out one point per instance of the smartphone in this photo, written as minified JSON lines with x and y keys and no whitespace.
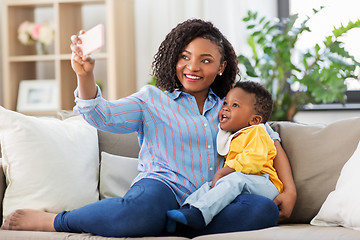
{"x":92,"y":39}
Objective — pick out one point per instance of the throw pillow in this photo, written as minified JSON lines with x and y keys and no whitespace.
{"x":341,"y":208}
{"x":317,"y":153}
{"x":116,"y":175}
{"x":49,"y":164}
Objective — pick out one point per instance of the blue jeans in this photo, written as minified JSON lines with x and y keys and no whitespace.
{"x":210,"y":201}
{"x":142,"y":212}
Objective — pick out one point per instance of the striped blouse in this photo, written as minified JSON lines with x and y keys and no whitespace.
{"x":177,"y":143}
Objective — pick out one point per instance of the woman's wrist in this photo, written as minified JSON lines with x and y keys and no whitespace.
{"x":87,"y":86}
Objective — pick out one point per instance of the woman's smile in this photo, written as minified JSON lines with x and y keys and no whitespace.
{"x":192,"y":77}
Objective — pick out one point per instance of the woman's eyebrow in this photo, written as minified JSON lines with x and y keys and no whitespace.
{"x":202,"y":55}
{"x":207,"y":55}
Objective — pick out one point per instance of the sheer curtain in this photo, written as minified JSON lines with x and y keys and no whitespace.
{"x":155,"y":18}
{"x":1,"y":96}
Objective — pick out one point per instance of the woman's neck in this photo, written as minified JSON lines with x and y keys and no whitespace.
{"x":200,"y":98}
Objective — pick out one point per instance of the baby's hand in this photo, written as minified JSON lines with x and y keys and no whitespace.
{"x":82,"y":65}
{"x":222,"y":172}
{"x":214,"y":181}
{"x":285,"y":202}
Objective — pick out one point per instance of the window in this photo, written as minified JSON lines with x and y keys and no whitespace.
{"x":333,"y":15}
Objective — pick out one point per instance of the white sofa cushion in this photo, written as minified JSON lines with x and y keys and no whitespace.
{"x":116,"y":174}
{"x":49,"y":164}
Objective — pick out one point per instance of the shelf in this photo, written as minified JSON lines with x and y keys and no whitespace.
{"x":32,"y":58}
{"x":36,"y":3}
{"x":49,"y":2}
{"x":115,"y":62}
{"x":81,"y":1}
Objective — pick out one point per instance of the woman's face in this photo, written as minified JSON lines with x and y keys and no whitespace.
{"x":198,"y":65}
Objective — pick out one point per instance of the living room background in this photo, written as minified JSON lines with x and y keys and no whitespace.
{"x":155,"y":18}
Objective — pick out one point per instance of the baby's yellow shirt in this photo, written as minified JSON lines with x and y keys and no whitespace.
{"x":252,"y":151}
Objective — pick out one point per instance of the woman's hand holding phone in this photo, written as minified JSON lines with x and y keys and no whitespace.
{"x":82,"y":64}
{"x":82,"y":46}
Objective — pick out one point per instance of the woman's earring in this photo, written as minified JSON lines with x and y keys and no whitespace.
{"x":220,"y":74}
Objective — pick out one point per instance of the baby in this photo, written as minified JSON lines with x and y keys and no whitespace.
{"x":249,"y":152}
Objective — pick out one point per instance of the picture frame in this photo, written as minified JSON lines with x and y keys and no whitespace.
{"x":38,"y":96}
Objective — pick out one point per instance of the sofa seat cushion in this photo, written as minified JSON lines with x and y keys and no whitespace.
{"x":24,"y":235}
{"x":282,"y":232}
{"x":290,"y":232}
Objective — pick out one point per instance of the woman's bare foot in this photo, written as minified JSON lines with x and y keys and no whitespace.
{"x":30,"y":220}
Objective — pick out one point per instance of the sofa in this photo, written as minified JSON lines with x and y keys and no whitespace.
{"x":317,"y":154}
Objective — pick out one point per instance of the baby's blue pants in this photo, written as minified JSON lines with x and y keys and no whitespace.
{"x":142,"y":212}
{"x":210,"y":201}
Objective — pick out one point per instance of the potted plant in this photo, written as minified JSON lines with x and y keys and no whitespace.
{"x":319,"y":73}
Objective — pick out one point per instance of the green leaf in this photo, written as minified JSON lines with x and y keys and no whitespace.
{"x":341,"y":30}
{"x":256,"y":33}
{"x":337,"y":48}
{"x":290,"y":23}
{"x":251,"y":42}
{"x":328,"y":41}
{"x":262,"y":19}
{"x":246,"y":19}
{"x":317,"y":49}
{"x":341,"y":63}
{"x":266,"y":25}
{"x":316,"y":11}
{"x":250,"y":71}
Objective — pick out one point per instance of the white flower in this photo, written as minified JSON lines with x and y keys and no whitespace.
{"x":24,"y":33}
{"x":46,"y":34}
{"x":29,"y":32}
{"x":24,"y":38}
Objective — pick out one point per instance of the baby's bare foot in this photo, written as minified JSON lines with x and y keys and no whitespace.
{"x":30,"y":220}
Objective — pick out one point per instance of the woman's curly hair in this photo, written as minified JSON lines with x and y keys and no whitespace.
{"x":165,"y":60}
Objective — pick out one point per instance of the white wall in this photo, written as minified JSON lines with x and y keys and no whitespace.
{"x":324,"y":117}
{"x":155,"y":18}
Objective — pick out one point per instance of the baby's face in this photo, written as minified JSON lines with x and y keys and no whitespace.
{"x":237,"y":110}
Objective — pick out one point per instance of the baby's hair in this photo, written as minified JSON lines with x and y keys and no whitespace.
{"x":264,"y":102}
{"x":165,"y":60}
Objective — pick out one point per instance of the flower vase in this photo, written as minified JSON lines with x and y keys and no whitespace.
{"x":41,"y":48}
